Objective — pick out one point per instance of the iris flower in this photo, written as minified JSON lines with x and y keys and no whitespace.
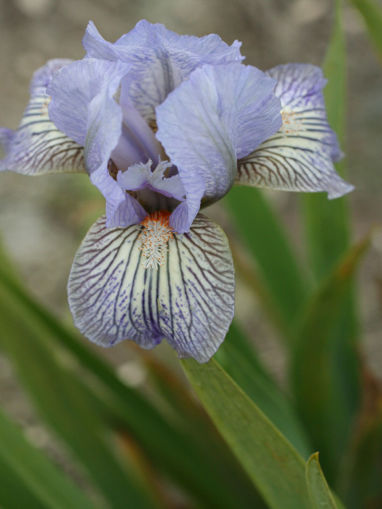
{"x":164,"y":125}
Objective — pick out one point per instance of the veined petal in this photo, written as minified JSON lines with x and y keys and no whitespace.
{"x":219,"y":114}
{"x":38,"y":147}
{"x":185,"y":295}
{"x":299,"y":157}
{"x":160,"y":59}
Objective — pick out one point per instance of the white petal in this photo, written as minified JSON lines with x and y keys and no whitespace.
{"x":188,"y":299}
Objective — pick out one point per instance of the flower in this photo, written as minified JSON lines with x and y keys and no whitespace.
{"x":165,"y":124}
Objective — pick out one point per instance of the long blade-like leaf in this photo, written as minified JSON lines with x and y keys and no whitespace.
{"x":274,"y":465}
{"x":67,"y":406}
{"x":326,"y":221}
{"x":29,"y":479}
{"x":264,"y":235}
{"x":240,"y":361}
{"x":321,"y":398}
{"x":361,"y":478}
{"x":372,"y":15}
{"x":327,"y":232}
{"x":319,"y":492}
{"x":201,"y":471}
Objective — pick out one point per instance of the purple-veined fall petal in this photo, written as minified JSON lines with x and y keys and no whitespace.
{"x":146,"y":283}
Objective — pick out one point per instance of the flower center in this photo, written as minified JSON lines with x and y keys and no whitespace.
{"x":112,"y":169}
{"x":154,"y":239}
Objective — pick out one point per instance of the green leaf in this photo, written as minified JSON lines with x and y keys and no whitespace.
{"x":279,"y":270}
{"x":186,"y":412}
{"x":67,"y":405}
{"x":29,"y":479}
{"x":362,"y":473}
{"x":323,"y":397}
{"x":372,"y":15}
{"x":326,"y":221}
{"x":318,"y":488}
{"x":201,"y":472}
{"x":240,"y":361}
{"x":328,"y":237}
{"x":271,"y":461}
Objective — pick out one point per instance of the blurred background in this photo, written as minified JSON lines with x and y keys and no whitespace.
{"x":42,"y":220}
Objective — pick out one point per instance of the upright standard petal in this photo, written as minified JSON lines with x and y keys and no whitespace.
{"x":38,"y":147}
{"x":300,"y":156}
{"x":83,"y":106}
{"x":146,"y":283}
{"x":81,"y":93}
{"x":219,"y":114}
{"x":160,"y":59}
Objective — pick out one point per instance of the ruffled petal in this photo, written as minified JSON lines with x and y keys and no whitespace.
{"x":188,"y":299}
{"x":160,"y":59}
{"x":38,"y":147}
{"x":219,"y":114}
{"x":83,"y":106}
{"x":300,"y":156}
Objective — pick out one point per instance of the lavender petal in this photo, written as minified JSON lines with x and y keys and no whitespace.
{"x":83,"y":105}
{"x":219,"y":114}
{"x":160,"y":59}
